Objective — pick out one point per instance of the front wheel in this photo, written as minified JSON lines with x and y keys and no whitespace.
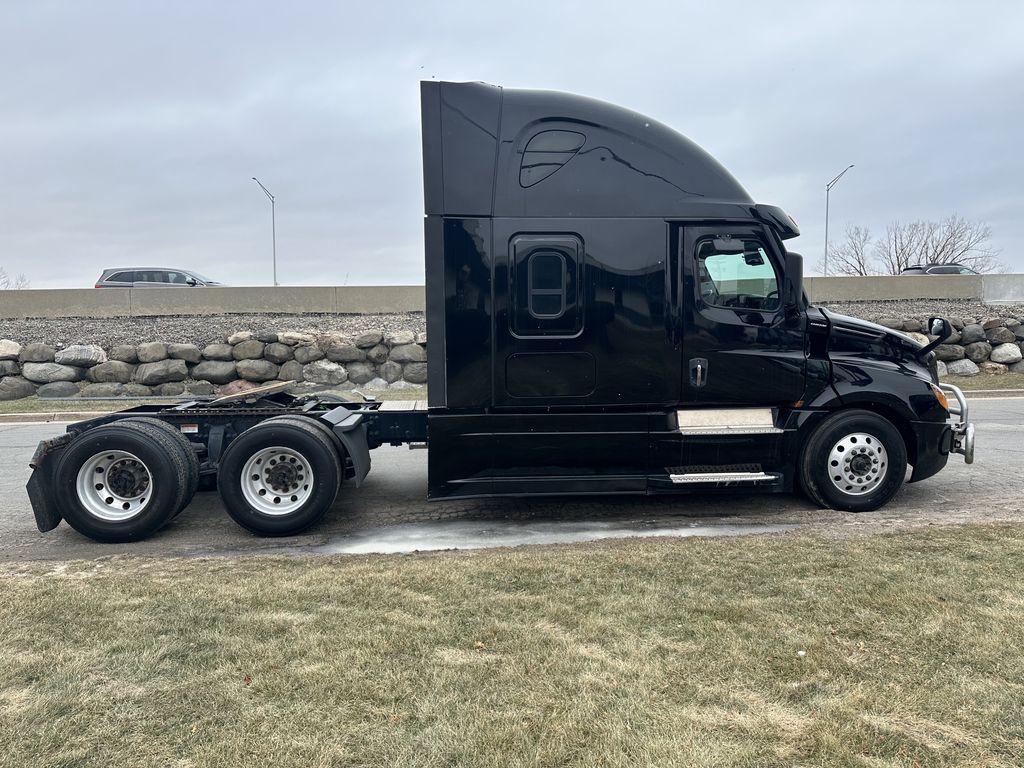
{"x":854,"y":461}
{"x":279,"y":477}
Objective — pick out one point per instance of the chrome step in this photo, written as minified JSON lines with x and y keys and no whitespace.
{"x":721,"y":477}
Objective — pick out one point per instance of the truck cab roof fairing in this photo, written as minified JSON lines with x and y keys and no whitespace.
{"x":562,"y":155}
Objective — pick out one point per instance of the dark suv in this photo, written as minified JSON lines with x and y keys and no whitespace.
{"x":151,"y":277}
{"x":938,"y":269}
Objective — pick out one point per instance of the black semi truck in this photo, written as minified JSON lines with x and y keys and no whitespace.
{"x":608,"y":313}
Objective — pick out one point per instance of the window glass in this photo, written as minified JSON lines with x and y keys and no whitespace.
{"x":743,"y":280}
{"x":544,"y":282}
{"x":121,"y":277}
{"x":177,"y":278}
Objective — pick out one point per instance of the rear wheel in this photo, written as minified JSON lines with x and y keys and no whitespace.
{"x":187,"y":452}
{"x":120,"y":482}
{"x":279,"y":477}
{"x":855,"y":461}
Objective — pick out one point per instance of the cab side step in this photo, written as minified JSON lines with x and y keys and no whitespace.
{"x":721,"y":474}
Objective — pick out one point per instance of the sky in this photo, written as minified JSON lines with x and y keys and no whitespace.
{"x":129,"y":131}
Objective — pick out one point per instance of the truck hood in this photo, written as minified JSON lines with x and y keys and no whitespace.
{"x":853,"y":336}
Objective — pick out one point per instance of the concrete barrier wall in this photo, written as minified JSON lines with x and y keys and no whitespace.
{"x":388,"y":299}
{"x":150,"y":302}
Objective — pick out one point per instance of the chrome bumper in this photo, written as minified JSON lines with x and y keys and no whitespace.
{"x":963,"y":430}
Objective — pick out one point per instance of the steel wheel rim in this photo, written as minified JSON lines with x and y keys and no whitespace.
{"x":114,"y":486}
{"x":857,"y":464}
{"x":277,"y":481}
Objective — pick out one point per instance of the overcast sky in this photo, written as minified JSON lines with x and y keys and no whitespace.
{"x":129,"y":130}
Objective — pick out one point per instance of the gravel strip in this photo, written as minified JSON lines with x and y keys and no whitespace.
{"x":197,"y":329}
{"x":922,"y":308}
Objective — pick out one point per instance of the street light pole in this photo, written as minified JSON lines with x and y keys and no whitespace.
{"x":828,"y":188}
{"x":273,"y":224}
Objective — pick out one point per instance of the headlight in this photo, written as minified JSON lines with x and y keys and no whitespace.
{"x":941,"y":397}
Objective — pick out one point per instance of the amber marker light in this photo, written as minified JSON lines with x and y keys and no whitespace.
{"x":941,"y":397}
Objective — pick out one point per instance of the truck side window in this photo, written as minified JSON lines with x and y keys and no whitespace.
{"x":544,"y":281}
{"x":741,"y":280}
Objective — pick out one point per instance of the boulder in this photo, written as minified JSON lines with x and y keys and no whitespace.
{"x":137,"y":390}
{"x":290,"y":371}
{"x":1018,"y":333}
{"x":405,"y":385}
{"x":391,"y":371}
{"x":217,"y":352}
{"x":992,"y":369}
{"x":1017,"y":368}
{"x":236,"y":387}
{"x":940,"y":369}
{"x":369,"y":339}
{"x":913,"y":325}
{"x":377,"y":354}
{"x":953,"y":338}
{"x":267,"y":336}
{"x":248,"y":350}
{"x":161,"y":372}
{"x":36,"y":353}
{"x":360,"y":373}
{"x":308,"y":353}
{"x":113,"y":371}
{"x":409,"y":353}
{"x":972,"y":333}
{"x":415,"y":373}
{"x":1000,"y":335}
{"x":344,"y":353}
{"x":81,"y":355}
{"x":978,"y":351}
{"x":200,"y":388}
{"x":152,"y":352}
{"x":257,"y":370}
{"x":421,"y":338}
{"x":171,"y":389}
{"x":957,"y":322}
{"x":992,"y":322}
{"x":15,"y":388}
{"x":239,"y":336}
{"x":57,"y":389}
{"x":9,"y":368}
{"x":124,"y":353}
{"x":105,"y":389}
{"x":277,"y":352}
{"x":1006,"y":354}
{"x":294,"y":338}
{"x":217,"y":371}
{"x":920,"y":338}
{"x":376,"y":384}
{"x":324,"y":372}
{"x":962,"y":368}
{"x":46,"y":373}
{"x":9,"y":350}
{"x":188,"y":352}
{"x":1012,"y":323}
{"x":947,"y":352}
{"x":399,"y":338}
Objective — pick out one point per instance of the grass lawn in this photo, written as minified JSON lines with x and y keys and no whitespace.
{"x":891,"y":650}
{"x":987,"y":381}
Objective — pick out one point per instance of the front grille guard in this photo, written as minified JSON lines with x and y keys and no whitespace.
{"x":963,"y":430}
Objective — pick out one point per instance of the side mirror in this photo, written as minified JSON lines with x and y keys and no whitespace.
{"x":793,"y":283}
{"x":192,"y":281}
{"x":940,"y":327}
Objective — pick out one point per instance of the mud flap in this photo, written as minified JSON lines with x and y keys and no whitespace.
{"x":40,"y":483}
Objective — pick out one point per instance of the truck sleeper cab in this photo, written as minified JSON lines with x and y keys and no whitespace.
{"x":608,"y":313}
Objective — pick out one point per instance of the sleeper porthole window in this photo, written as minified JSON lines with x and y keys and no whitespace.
{"x":546,"y":153}
{"x":544,"y":280}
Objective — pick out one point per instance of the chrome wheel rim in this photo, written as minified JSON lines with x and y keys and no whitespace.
{"x":857,"y":464}
{"x":114,"y":486}
{"x":277,"y":481}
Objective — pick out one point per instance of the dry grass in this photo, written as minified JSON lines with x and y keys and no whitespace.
{"x":654,"y":652}
{"x":987,"y":381}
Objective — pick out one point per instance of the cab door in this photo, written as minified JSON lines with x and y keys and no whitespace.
{"x":739,"y":346}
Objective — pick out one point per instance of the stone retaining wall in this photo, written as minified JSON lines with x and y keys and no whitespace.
{"x":242,"y":361}
{"x":372,"y":360}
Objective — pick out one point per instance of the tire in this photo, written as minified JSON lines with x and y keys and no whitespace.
{"x":187,"y":452}
{"x":286,"y":500}
{"x":149,"y":481}
{"x":854,"y":461}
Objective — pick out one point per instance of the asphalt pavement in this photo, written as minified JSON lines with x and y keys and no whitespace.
{"x":390,"y":512}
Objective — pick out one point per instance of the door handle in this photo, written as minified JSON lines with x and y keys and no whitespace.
{"x":698,"y":372}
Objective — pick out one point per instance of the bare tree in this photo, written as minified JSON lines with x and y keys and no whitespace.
{"x":8,"y":283}
{"x":954,"y":239}
{"x":853,"y":255}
